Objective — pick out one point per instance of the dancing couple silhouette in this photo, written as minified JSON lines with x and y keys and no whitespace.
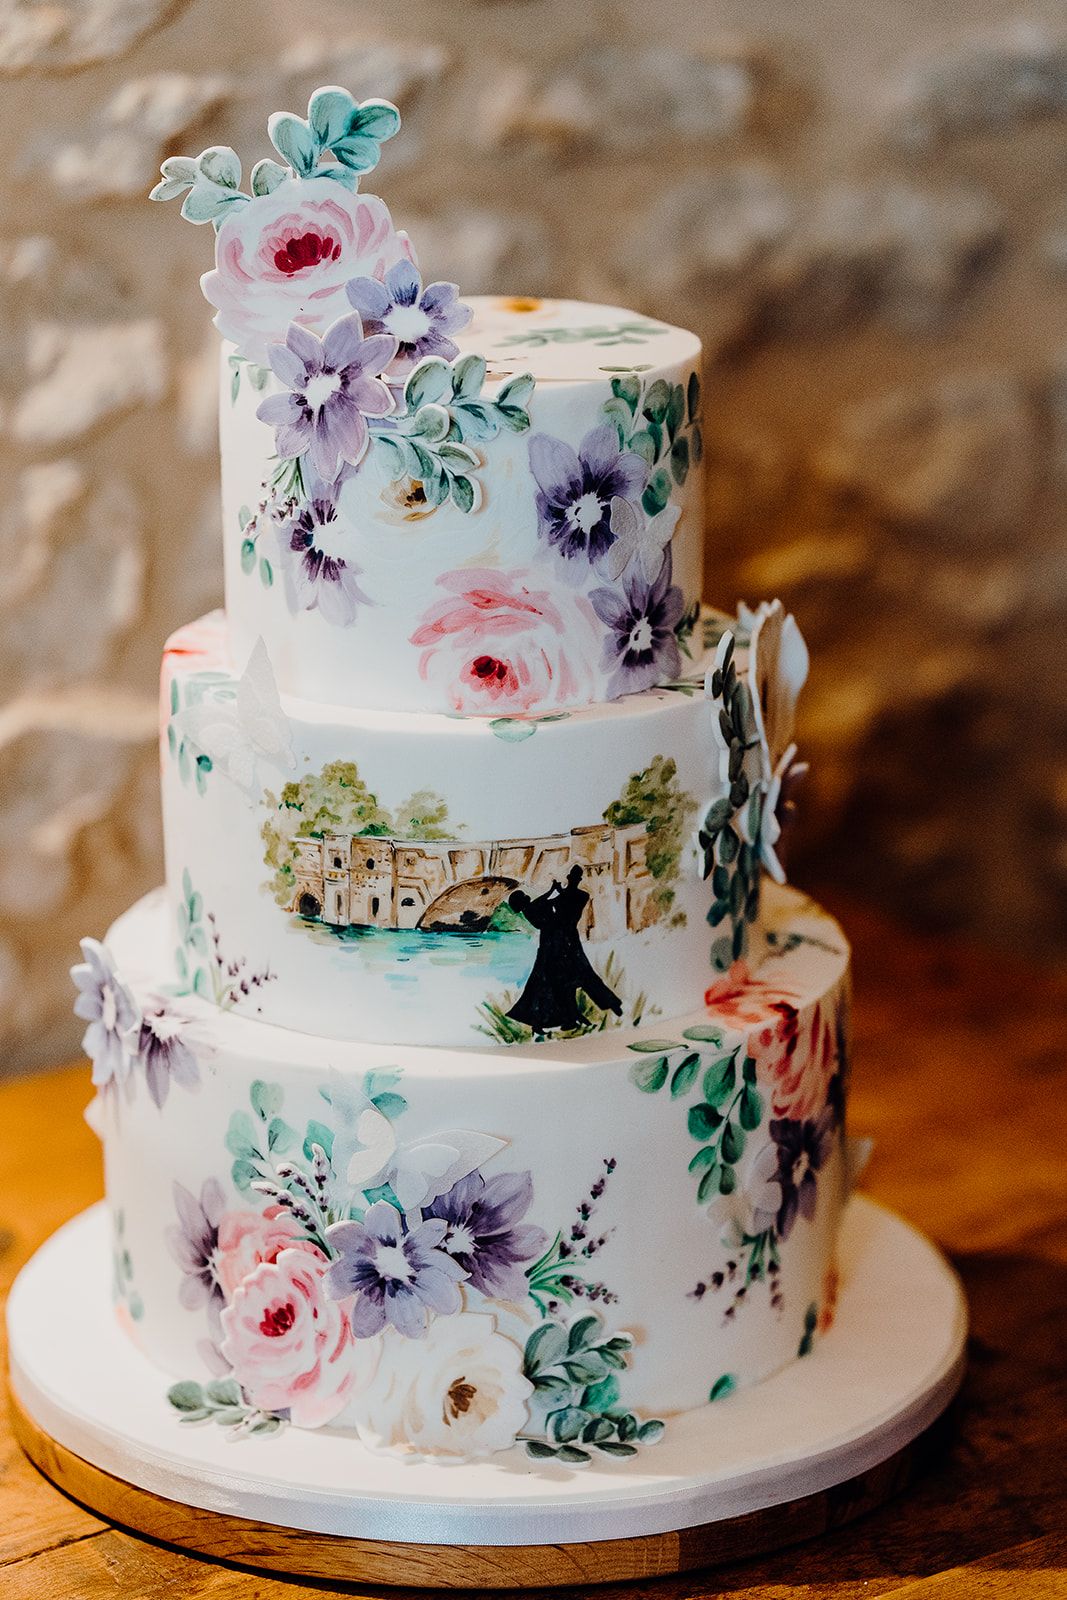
{"x":549,"y":1000}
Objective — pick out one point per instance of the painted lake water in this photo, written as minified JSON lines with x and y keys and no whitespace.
{"x":491,"y":962}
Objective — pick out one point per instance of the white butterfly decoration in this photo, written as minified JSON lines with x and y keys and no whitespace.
{"x":367,"y":1153}
{"x":239,"y":731}
{"x":638,"y":540}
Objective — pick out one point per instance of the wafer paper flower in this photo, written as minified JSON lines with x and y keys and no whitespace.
{"x":576,"y":490}
{"x":288,"y":1343}
{"x":421,"y":320}
{"x":802,"y":1148}
{"x":641,"y":649}
{"x":333,"y":386}
{"x":315,"y":554}
{"x":286,"y":257}
{"x":460,"y":1392}
{"x":486,"y":1234}
{"x":495,"y":644}
{"x":639,"y":540}
{"x":113,"y":1015}
{"x":400,"y":1278}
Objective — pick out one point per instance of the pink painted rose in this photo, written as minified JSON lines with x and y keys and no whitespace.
{"x":289,"y":1344}
{"x":495,"y":646}
{"x":795,"y":1055}
{"x":287,"y":256}
{"x":249,"y":1238}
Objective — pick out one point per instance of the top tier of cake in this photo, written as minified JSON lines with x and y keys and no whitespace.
{"x":523,"y":531}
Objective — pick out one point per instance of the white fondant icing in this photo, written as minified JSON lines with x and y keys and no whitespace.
{"x":600,"y":1123}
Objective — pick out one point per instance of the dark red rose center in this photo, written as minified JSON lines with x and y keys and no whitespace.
{"x":488,"y":668}
{"x":309,"y":250}
{"x":276,"y":1321}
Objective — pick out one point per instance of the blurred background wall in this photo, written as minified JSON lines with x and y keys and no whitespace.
{"x":863,"y":211}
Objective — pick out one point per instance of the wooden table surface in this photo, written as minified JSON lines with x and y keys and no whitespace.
{"x":961,"y":1077}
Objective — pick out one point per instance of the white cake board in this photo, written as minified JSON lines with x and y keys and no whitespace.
{"x":749,"y":1472}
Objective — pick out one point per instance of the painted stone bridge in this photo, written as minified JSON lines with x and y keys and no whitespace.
{"x":359,"y":880}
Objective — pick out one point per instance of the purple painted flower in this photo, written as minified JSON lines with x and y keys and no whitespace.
{"x":802,"y":1149}
{"x":164,"y":1055}
{"x":333,"y":386}
{"x":575,"y":491}
{"x":485,"y":1233}
{"x":397,"y":1277}
{"x":419,"y":319}
{"x":193,"y":1241}
{"x":315,"y":555}
{"x":111,"y":1011}
{"x":641,"y":618}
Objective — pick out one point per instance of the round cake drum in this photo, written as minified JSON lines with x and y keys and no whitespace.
{"x":761,"y":1468}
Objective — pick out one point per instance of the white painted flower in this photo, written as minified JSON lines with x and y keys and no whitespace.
{"x":458,"y":1392}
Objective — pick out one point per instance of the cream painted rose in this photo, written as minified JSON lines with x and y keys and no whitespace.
{"x":249,"y":1238}
{"x":289,"y":1344}
{"x":287,"y":256}
{"x":494,"y":645}
{"x":460,"y":1391}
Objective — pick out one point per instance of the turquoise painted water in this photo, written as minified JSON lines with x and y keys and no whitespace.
{"x":497,"y":959}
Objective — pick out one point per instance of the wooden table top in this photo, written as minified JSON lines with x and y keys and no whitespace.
{"x":961,"y":1078}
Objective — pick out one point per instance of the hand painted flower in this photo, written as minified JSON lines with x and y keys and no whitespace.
{"x":575,"y":490}
{"x":763,"y":1190}
{"x":802,"y":1148}
{"x":460,"y":1392}
{"x":289,"y":1343}
{"x":315,"y":554}
{"x":495,"y":646}
{"x":193,"y":1242}
{"x":420,"y":320}
{"x":333,"y":386}
{"x":287,"y":256}
{"x":247,"y":1239}
{"x":164,"y":1054}
{"x":400,"y":1278}
{"x":641,"y":649}
{"x":113,"y":1015}
{"x":486,"y":1234}
{"x":796,"y":1056}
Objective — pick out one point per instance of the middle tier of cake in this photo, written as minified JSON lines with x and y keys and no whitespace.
{"x":419,"y":878}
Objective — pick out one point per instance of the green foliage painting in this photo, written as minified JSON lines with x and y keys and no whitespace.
{"x":656,"y":798}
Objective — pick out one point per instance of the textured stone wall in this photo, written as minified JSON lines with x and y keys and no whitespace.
{"x":860,"y":208}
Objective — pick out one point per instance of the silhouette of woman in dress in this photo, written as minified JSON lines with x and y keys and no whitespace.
{"x":549,"y":999}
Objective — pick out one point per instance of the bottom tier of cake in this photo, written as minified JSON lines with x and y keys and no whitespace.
{"x":458,"y":1252}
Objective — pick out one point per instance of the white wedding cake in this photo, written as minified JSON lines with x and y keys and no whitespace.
{"x":476,"y":1085}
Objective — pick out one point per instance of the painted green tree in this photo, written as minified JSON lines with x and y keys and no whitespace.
{"x":656,"y":798}
{"x":336,"y":800}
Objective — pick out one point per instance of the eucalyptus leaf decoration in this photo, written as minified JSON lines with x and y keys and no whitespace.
{"x":339,"y":139}
{"x":661,"y":423}
{"x":573,"y":1370}
{"x":445,"y":415}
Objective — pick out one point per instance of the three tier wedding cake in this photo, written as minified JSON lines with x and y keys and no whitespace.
{"x":476,"y":1085}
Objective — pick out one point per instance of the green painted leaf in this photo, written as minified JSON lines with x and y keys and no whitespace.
{"x":708,"y":1187}
{"x":318,"y":1134}
{"x":627,"y":389}
{"x":751,"y":1110}
{"x":704,"y":1159}
{"x":649,"y":1076}
{"x":643,"y":444}
{"x":727,"y":1180}
{"x":266,"y":1099}
{"x":429,"y":382}
{"x":654,"y":1046}
{"x":546,"y":1346}
{"x":685,"y":1073}
{"x":224,"y":1392}
{"x":597,"y":1430}
{"x":703,"y":1120}
{"x":693,"y":396}
{"x":727,"y":1383}
{"x":675,"y":411}
{"x":657,"y":493}
{"x":516,"y":392}
{"x":267,"y":175}
{"x":657,"y":399}
{"x":539,"y":1450}
{"x":703,"y":1034}
{"x":266,"y":572}
{"x":611,"y":1448}
{"x":732,"y":1143}
{"x":229,"y":1416}
{"x":680,"y":460}
{"x":376,"y":119}
{"x":280,"y":1136}
{"x":580,"y":1332}
{"x":241,"y":1136}
{"x":601,"y":1396}
{"x":566,"y":1425}
{"x":514,"y":418}
{"x":719,"y":1081}
{"x":294,"y":141}
{"x":186,"y":1395}
{"x":248,"y":555}
{"x":221,"y":165}
{"x":513,"y":730}
{"x":330,"y":112}
{"x":573,"y":1456}
{"x":244,"y":1173}
{"x":650,"y":1431}
{"x":463,"y":493}
{"x":468,"y":375}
